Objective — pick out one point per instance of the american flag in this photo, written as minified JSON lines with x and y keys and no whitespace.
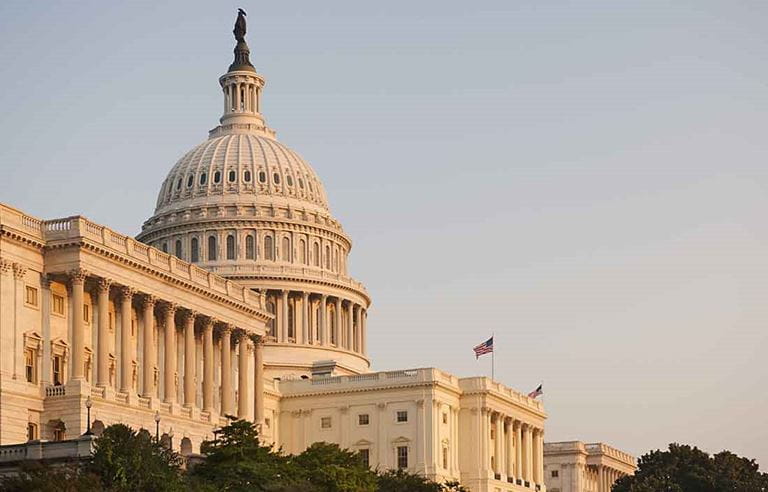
{"x":537,"y":392}
{"x":484,"y":348}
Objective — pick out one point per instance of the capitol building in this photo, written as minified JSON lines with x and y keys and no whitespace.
{"x":236,"y":300}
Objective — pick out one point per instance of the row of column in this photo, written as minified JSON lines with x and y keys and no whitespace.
{"x":518,"y":449}
{"x":606,"y":477}
{"x":241,"y":97}
{"x":347,"y":328}
{"x":167,"y":323}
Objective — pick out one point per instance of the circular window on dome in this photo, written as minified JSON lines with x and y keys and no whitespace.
{"x":247,"y":176}
{"x":232,"y":176}
{"x":203,"y":178}
{"x":276,"y":178}
{"x":289,"y":180}
{"x":190,"y":181}
{"x":217,"y":177}
{"x":262,"y":177}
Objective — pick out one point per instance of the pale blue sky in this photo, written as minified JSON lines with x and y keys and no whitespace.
{"x":585,"y":179}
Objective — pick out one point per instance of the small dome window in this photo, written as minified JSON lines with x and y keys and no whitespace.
{"x":190,"y":181}
{"x":276,"y":178}
{"x":178,"y":184}
{"x":262,"y":177}
{"x":247,"y":176}
{"x":310,"y":186}
{"x":301,"y":183}
{"x":232,"y":176}
{"x":289,"y":180}
{"x":217,"y":177}
{"x":203,"y":178}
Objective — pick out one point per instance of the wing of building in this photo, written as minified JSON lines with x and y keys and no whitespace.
{"x":235,"y":299}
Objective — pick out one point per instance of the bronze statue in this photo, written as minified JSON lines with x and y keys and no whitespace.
{"x":239,"y":30}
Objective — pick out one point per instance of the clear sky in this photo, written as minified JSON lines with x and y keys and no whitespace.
{"x":587,"y":180}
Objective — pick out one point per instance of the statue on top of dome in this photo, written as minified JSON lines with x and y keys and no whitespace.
{"x":239,"y":30}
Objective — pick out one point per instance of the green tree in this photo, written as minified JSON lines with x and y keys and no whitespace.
{"x":332,"y":469}
{"x":44,"y":478}
{"x":401,"y":480}
{"x":124,"y":459}
{"x":688,"y":469}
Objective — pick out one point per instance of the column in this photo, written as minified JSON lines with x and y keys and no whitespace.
{"x":518,"y":449}
{"x":306,"y":335}
{"x":509,"y":452}
{"x":356,"y":342}
{"x":190,"y":395}
{"x":363,"y":332}
{"x":284,"y":316}
{"x":208,"y":365}
{"x":226,"y":371}
{"x":102,"y":354}
{"x":339,"y":330}
{"x":350,"y":326}
{"x":527,"y":453}
{"x":535,"y":453}
{"x":126,"y":368}
{"x":497,"y":446}
{"x":77,"y":281}
{"x":323,"y":321}
{"x":150,"y":356}
{"x":258,"y":375}
{"x":243,"y":383}
{"x":540,"y":456}
{"x":170,"y":353}
{"x":45,"y":306}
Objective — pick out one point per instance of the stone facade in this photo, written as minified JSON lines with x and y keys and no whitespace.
{"x":577,"y":467}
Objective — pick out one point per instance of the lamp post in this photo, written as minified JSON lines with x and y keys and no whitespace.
{"x":88,"y":405}
{"x":170,"y":439}
{"x":157,"y":425}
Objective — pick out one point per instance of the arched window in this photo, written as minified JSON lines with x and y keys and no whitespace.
{"x":327,"y":258}
{"x":317,"y":322}
{"x":332,"y":319}
{"x":194,"y":250}
{"x":262,"y":177}
{"x":230,"y":247}
{"x":269,"y":248}
{"x":164,"y":247}
{"x":212,"y":248}
{"x":217,"y":177}
{"x":250,"y":250}
{"x":291,"y":318}
{"x":179,"y":252}
{"x":276,"y":178}
{"x":302,"y":251}
{"x":301,"y":183}
{"x":289,"y":180}
{"x":247,"y":176}
{"x":232,"y":176}
{"x":310,"y":186}
{"x":203,"y":178}
{"x":286,"y":249}
{"x":316,"y":254}
{"x":178,"y":184}
{"x":271,"y":323}
{"x":190,"y":181}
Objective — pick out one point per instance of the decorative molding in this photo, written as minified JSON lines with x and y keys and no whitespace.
{"x":19,"y":271}
{"x":77,"y":276}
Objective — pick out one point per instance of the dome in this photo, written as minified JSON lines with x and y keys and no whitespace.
{"x":245,"y":169}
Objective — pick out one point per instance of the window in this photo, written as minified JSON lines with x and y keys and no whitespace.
{"x":301,"y":183}
{"x":402,"y":416}
{"x":232,"y":176}
{"x":316,"y":254}
{"x":194,"y":250}
{"x":402,"y":457}
{"x":230,"y":247}
{"x":31,"y":296}
{"x":178,"y":184}
{"x":445,"y":457}
{"x":58,"y":434}
{"x":190,"y":181}
{"x":303,"y":252}
{"x":286,"y":249}
{"x":262,"y":177}
{"x":203,"y":178}
{"x":30,"y":365}
{"x":179,"y":252}
{"x":58,"y":304}
{"x":269,"y":248}
{"x":365,"y":456}
{"x":310,"y":186}
{"x":164,"y":247}
{"x":250,"y":250}
{"x":363,"y":419}
{"x":276,"y":178}
{"x":289,"y":180}
{"x":267,"y":422}
{"x":247,"y":176}
{"x":217,"y":177}
{"x":291,"y":319}
{"x":31,"y":431}
{"x":445,"y":418}
{"x":555,"y":474}
{"x":325,"y":423}
{"x":86,"y":313}
{"x":327,"y":258}
{"x":211,"y":248}
{"x":58,"y":370}
{"x":271,"y":323}
{"x":493,"y":434}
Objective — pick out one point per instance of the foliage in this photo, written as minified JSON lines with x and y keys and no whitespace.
{"x":42,"y":478}
{"x":124,"y":460}
{"x":332,"y":469}
{"x":688,"y":469}
{"x":400,"y":480}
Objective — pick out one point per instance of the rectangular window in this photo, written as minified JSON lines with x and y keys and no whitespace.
{"x":86,"y":313}
{"x":58,"y":304}
{"x":445,"y":458}
{"x":267,"y":422}
{"x":554,"y":474}
{"x":402,"y":457}
{"x":29,"y":363}
{"x":57,"y":370}
{"x":363,"y":419}
{"x":133,"y":327}
{"x":402,"y":416}
{"x":111,"y":321}
{"x":31,"y":431}
{"x":445,"y":418}
{"x":365,"y":456}
{"x":58,"y":435}
{"x":31,"y":296}
{"x":325,"y":423}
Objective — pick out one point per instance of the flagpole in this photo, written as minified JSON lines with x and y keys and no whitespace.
{"x":493,"y":358}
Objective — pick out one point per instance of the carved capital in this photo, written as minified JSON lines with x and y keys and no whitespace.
{"x":126,"y":293}
{"x":5,"y":265}
{"x":189,"y":315}
{"x":103,"y":285}
{"x":19,"y":271}
{"x":169,"y":308}
{"x":149,"y":301}
{"x":46,"y":280}
{"x":77,"y":276}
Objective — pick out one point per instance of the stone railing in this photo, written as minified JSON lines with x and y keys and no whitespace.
{"x":372,"y":380}
{"x":298,"y":272}
{"x":507,"y":393}
{"x":50,"y":451}
{"x":606,"y":450}
{"x":54,"y":391}
{"x":80,"y":227}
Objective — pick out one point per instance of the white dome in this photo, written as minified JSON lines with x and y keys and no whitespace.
{"x":243,"y":169}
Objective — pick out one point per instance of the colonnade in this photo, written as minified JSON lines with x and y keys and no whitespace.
{"x":606,"y":477}
{"x":172,"y":320}
{"x":241,"y":97}
{"x":517,"y":449}
{"x":305,"y":318}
